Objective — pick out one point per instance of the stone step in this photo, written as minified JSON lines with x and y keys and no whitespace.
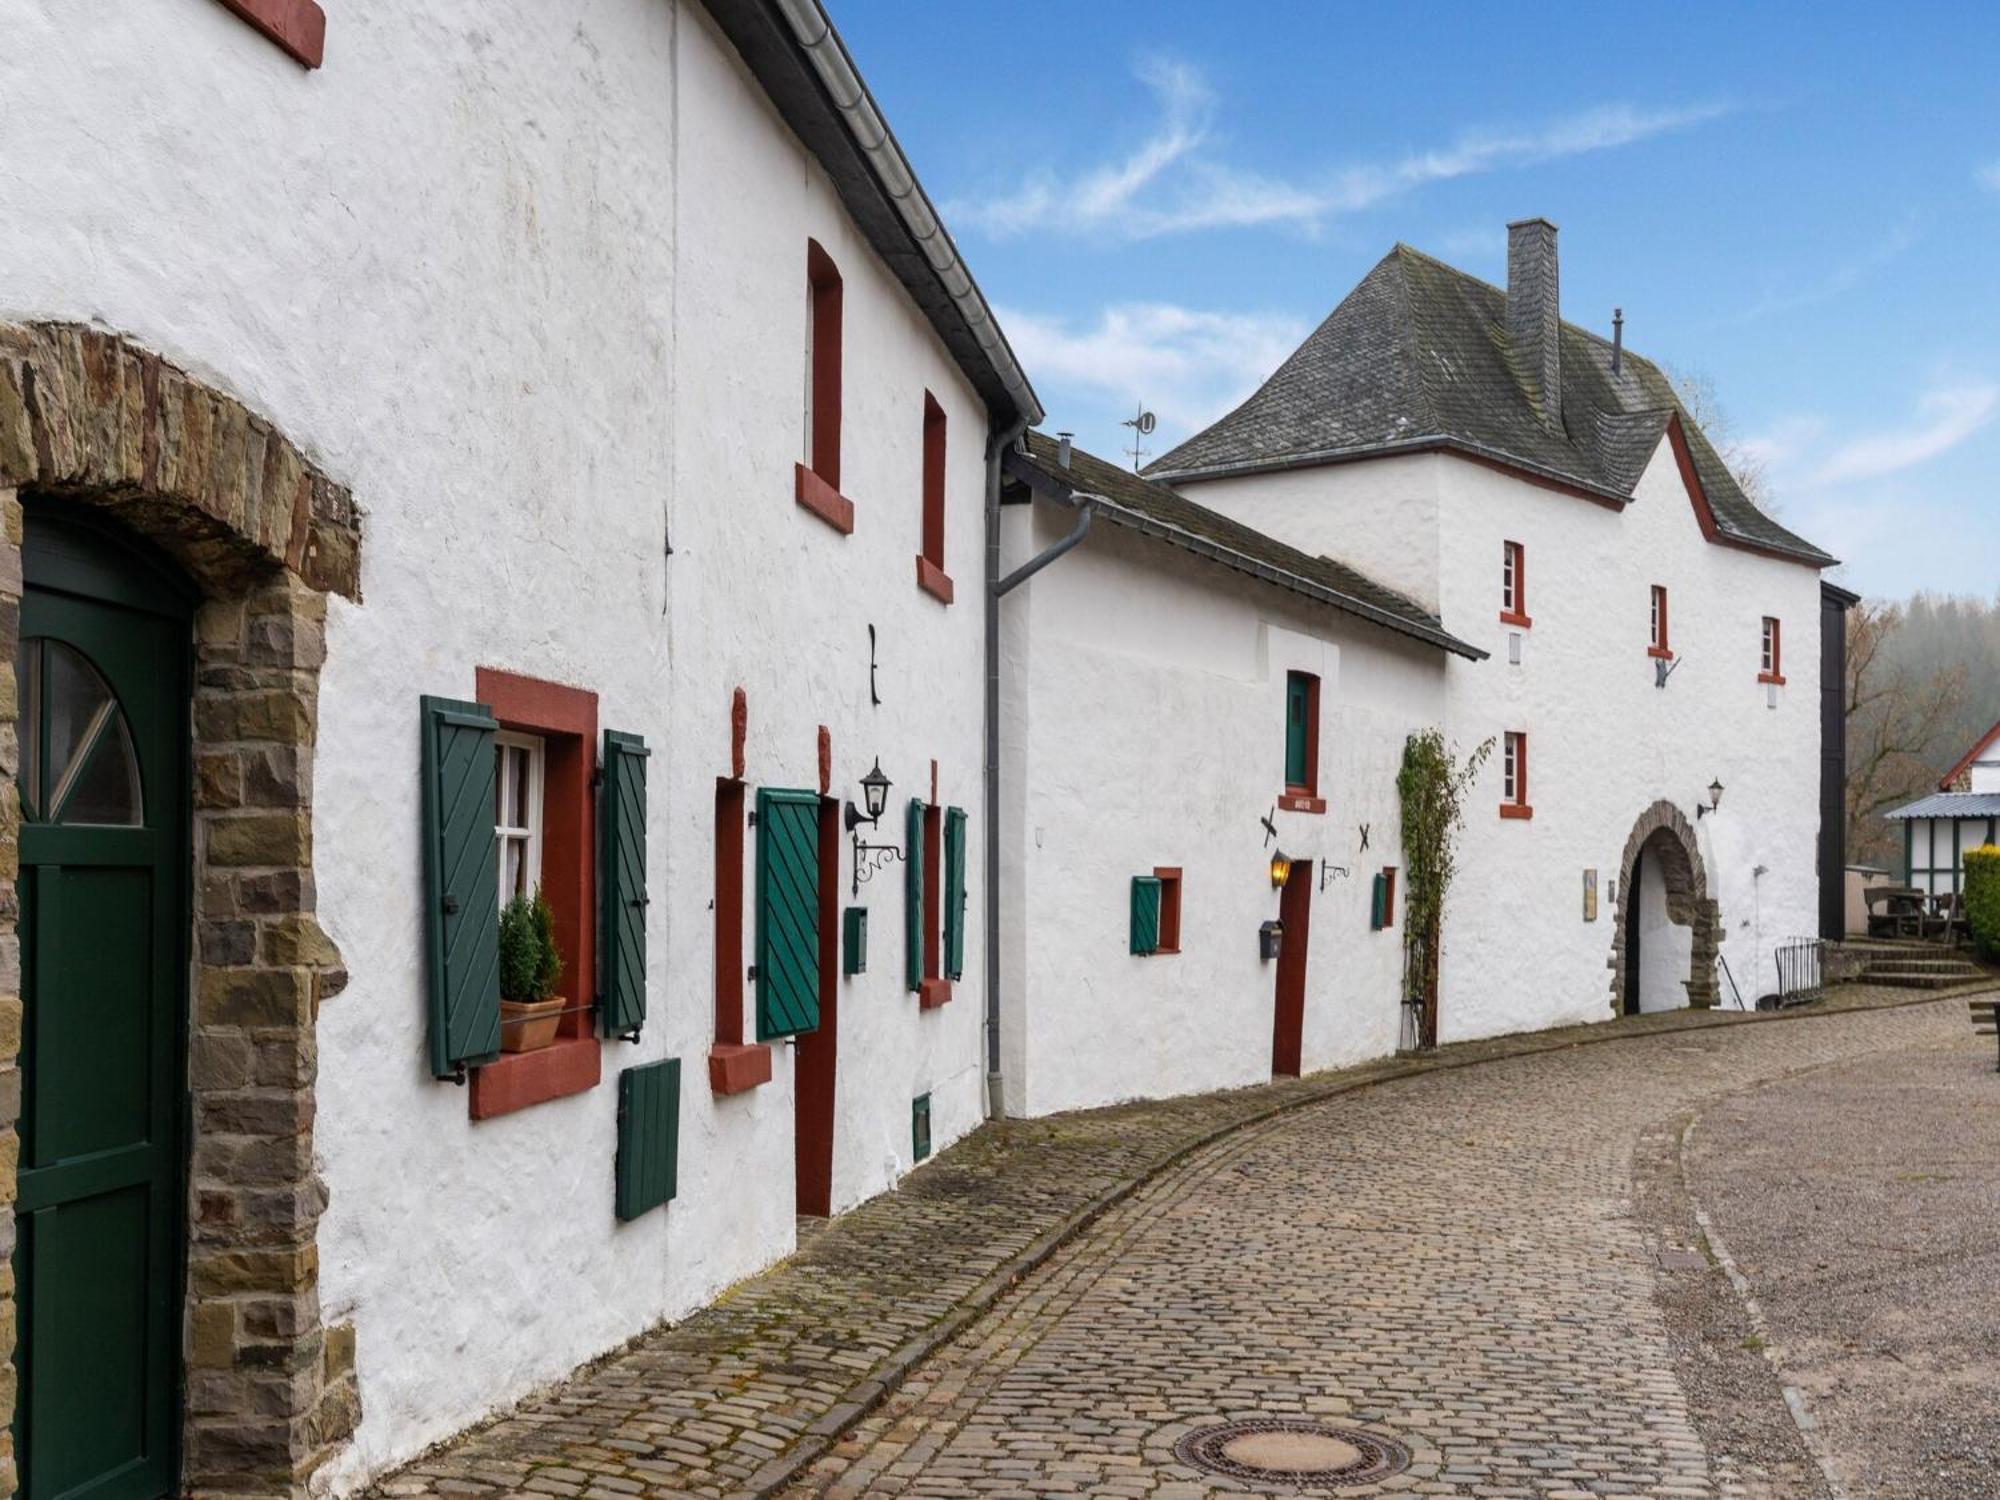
{"x":1916,"y":981}
{"x":1958,"y":967}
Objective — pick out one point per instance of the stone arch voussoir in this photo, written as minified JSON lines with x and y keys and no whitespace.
{"x":93,"y":420}
{"x":1665,"y":829}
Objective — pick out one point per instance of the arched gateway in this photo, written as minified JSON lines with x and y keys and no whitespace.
{"x":159,"y":955}
{"x":1662,"y":871}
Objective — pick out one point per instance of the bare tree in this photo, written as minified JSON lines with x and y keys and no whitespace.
{"x":1696,"y":391}
{"x":1896,"y":716}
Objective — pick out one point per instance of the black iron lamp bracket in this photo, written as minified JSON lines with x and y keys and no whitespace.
{"x":869,"y":859}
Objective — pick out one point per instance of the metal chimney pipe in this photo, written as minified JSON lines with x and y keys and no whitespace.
{"x":1617,"y":338}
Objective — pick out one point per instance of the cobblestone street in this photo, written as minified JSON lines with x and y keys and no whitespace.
{"x":1449,"y":1258}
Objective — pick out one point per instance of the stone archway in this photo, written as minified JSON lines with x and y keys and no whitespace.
{"x":1665,"y":834}
{"x":92,"y":420}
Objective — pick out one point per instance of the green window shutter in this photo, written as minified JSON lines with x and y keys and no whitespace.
{"x":856,"y":947}
{"x":461,"y":886}
{"x":1378,"y":916}
{"x":621,"y":885}
{"x":649,"y":1136}
{"x":954,"y":893}
{"x":1145,"y":914}
{"x":787,"y":913}
{"x":1298,"y":696}
{"x":913,"y":897}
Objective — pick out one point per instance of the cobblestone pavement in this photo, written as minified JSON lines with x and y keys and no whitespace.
{"x":1443,"y":1257}
{"x":1858,"y":1202}
{"x":1449,"y":1260}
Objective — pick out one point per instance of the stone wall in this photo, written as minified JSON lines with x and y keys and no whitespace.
{"x":92,"y":420}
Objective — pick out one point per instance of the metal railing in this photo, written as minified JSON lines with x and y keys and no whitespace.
{"x":1801,"y":970}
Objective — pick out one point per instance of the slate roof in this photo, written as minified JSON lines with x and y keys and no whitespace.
{"x":1150,"y":507}
{"x":1418,"y":357}
{"x":1950,"y":805}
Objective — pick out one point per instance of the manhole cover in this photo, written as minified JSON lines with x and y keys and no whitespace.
{"x":1294,"y":1451}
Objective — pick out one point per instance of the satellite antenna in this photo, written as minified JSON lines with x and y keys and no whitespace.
{"x":1142,"y":426}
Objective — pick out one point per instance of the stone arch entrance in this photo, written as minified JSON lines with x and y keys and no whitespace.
{"x":1663,"y":841}
{"x":95,"y":428}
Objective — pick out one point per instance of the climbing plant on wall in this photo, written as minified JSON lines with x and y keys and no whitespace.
{"x":1432,"y":786}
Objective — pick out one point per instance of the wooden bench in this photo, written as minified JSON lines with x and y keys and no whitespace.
{"x":1983,"y":1021}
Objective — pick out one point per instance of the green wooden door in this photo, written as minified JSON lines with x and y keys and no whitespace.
{"x":103,"y":671}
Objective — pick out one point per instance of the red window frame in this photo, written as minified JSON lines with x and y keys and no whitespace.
{"x":817,"y":481}
{"x":565,"y":720}
{"x":1514,"y":775}
{"x":733,"y":1065}
{"x":1771,"y":653}
{"x":297,"y":26}
{"x":935,"y":989}
{"x":1388,"y":897}
{"x":1169,"y":877}
{"x":1514,"y":585}
{"x":931,"y":576}
{"x":1304,"y":796}
{"x":1660,"y":645}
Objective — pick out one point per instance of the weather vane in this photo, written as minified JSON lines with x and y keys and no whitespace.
{"x":1142,"y":427}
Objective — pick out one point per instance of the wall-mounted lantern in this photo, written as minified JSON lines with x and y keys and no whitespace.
{"x":875,"y":796}
{"x":1270,"y":938}
{"x":1281,"y":869}
{"x":1714,"y":801}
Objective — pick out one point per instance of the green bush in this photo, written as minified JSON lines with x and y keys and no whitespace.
{"x":1982,"y":897}
{"x":530,"y":963}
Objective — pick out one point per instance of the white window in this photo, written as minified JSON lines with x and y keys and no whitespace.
{"x":1513,"y":595}
{"x":1771,"y":657}
{"x":1514,"y":769}
{"x":517,"y":813}
{"x":1659,"y":619}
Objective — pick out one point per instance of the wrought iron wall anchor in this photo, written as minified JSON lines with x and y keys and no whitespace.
{"x":1331,"y":872}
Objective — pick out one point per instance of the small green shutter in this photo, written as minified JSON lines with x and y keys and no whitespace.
{"x":856,"y":947}
{"x":1298,"y":697}
{"x":787,"y":913}
{"x":1145,"y":914}
{"x":622,"y":884}
{"x":954,"y":893}
{"x":649,"y":1135}
{"x":913,"y":898}
{"x":1378,"y":916}
{"x":461,"y":886}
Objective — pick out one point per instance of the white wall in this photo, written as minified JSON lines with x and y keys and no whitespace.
{"x":1604,"y":742}
{"x":1665,"y":946}
{"x":530,"y":280}
{"x":1152,"y":730}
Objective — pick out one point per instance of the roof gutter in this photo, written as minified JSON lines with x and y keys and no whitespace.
{"x":813,"y":32}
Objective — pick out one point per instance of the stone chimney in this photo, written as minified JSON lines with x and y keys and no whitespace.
{"x":1534,"y":313}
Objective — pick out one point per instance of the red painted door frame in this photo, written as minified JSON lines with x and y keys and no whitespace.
{"x":812,"y":1115}
{"x":1289,"y":1020}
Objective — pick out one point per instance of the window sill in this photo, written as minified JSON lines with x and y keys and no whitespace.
{"x":1511,"y":617}
{"x":737,"y":1068}
{"x":516,"y":1080}
{"x":824,"y":501}
{"x":1163,"y":952}
{"x":1660,"y":653}
{"x":1305,"y":802}
{"x":933,"y":993}
{"x":1775,"y":679}
{"x":1516,"y":810}
{"x":298,"y":26}
{"x":933,"y":580}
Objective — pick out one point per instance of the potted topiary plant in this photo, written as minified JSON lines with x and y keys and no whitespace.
{"x":530,"y":966}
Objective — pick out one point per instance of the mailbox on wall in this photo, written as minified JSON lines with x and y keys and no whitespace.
{"x":1270,"y":938}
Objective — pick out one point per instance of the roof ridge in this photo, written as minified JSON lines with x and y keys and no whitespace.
{"x":1419,"y":379}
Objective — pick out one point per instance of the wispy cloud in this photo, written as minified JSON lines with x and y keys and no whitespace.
{"x":1188,"y":366}
{"x":1175,"y":181}
{"x":1945,"y":417}
{"x":1837,"y":280}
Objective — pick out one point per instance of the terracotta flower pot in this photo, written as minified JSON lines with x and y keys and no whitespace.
{"x":529,"y":1026}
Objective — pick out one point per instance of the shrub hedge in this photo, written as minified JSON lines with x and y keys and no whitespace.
{"x":1982,"y":897}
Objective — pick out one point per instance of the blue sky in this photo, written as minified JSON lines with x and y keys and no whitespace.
{"x":1799,"y":203}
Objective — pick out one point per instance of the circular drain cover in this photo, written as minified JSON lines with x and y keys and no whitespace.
{"x":1293,"y":1451}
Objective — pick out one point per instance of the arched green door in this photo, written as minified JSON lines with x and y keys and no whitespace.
{"x":103,"y":691}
